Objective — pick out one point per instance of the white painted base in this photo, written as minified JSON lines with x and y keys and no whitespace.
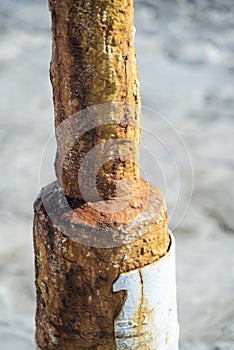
{"x":148,"y":320}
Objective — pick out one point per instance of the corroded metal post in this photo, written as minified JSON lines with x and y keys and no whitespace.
{"x":103,"y":256}
{"x":94,"y":63}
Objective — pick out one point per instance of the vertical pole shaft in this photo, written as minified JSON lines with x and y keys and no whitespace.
{"x":94,"y":262}
{"x":94,"y":63}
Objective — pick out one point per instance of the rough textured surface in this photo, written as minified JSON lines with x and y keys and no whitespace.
{"x":76,"y":306}
{"x":191,"y":84}
{"x":80,"y":250}
{"x":94,"y":63}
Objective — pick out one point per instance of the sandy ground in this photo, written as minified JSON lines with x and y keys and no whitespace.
{"x":185,"y":52}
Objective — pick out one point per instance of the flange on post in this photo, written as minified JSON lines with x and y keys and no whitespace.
{"x":105,"y":265}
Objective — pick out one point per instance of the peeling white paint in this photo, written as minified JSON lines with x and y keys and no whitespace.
{"x":148,"y":319}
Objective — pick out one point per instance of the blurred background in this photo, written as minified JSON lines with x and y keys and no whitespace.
{"x":185,"y":52}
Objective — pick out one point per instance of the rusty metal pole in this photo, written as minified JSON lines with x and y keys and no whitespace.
{"x":104,"y":258}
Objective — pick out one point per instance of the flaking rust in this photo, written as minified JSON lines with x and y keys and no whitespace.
{"x":76,"y":304}
{"x":85,"y":248}
{"x":94,"y":63}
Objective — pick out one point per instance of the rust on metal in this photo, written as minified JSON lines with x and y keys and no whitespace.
{"x":76,"y":305}
{"x":94,"y":63}
{"x":81,"y":246}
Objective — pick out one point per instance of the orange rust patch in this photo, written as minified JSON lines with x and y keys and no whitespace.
{"x":76,"y":307}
